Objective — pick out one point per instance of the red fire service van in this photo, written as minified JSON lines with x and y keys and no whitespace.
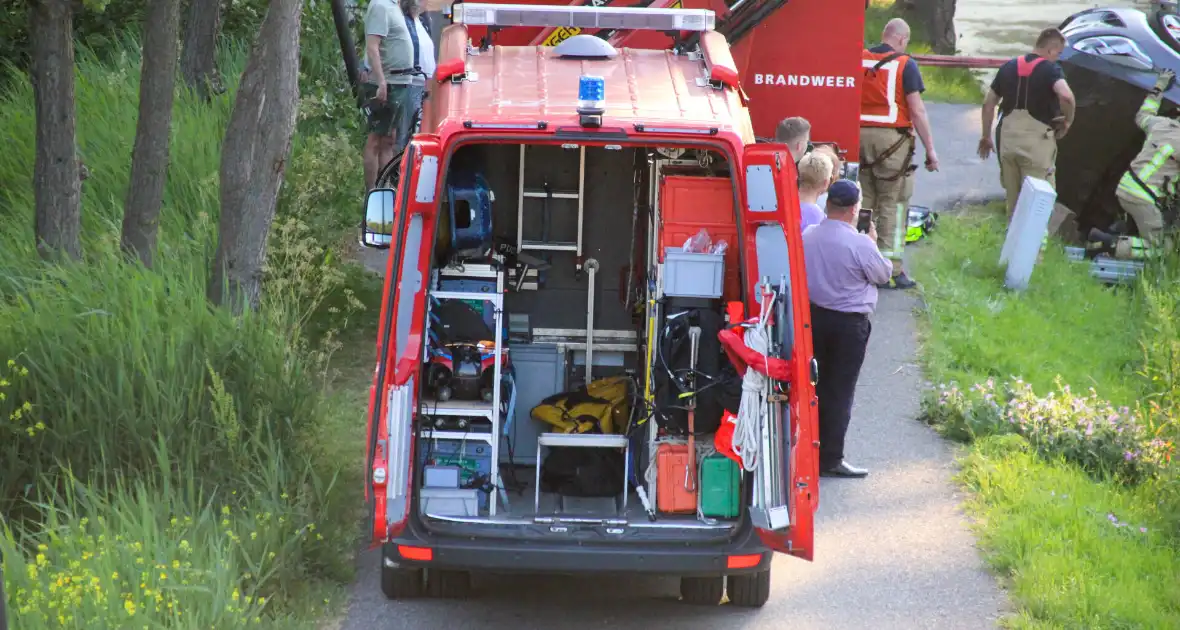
{"x":594,"y":348}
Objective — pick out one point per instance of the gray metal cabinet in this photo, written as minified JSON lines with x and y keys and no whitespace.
{"x":540,"y":373}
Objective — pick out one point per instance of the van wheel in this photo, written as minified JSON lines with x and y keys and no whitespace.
{"x":448,"y":584}
{"x":401,"y":583}
{"x":702,"y":591}
{"x":750,"y":590}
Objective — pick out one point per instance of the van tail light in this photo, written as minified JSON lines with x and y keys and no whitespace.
{"x":392,"y":470}
{"x":743,"y":562}
{"x":419,"y":554}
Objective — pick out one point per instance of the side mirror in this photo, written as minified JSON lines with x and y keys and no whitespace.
{"x":377,"y":228}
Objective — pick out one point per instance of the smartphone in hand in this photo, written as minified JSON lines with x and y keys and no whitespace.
{"x":863,"y":221}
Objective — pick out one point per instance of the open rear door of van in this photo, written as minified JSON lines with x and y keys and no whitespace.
{"x":401,"y":333}
{"x":786,"y":479}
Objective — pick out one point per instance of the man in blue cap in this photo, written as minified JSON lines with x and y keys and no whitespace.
{"x":844,"y":268}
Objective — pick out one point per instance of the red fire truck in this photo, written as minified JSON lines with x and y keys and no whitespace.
{"x":594,"y":349}
{"x":797,"y":58}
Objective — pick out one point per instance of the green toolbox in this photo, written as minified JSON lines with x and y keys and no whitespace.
{"x":720,"y":483}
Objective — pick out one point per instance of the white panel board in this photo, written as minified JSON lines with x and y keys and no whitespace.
{"x":1026,"y":232}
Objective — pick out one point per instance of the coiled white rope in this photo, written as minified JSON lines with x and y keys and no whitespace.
{"x":753,"y":411}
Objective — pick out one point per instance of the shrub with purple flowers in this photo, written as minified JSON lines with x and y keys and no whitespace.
{"x":1085,"y":429}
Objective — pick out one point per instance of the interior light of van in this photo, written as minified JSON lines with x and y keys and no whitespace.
{"x":1121,"y":50}
{"x":591,"y":95}
{"x":618,"y":18}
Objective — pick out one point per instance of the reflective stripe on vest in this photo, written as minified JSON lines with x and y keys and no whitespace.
{"x":1130,"y":186}
{"x":882,"y":92}
{"x":897,"y":248}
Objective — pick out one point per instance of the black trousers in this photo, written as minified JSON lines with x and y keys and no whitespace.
{"x":839,"y":340}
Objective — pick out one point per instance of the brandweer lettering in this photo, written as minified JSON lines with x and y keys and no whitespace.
{"x":805,"y":80}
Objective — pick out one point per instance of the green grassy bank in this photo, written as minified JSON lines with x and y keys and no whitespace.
{"x":163,"y":464}
{"x":1064,"y":394}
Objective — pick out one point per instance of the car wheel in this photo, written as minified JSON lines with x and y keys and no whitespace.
{"x":751,"y":590}
{"x":401,"y":583}
{"x":702,"y":591}
{"x":448,"y":584}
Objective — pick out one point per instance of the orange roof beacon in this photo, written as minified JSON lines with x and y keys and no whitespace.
{"x":594,"y":348}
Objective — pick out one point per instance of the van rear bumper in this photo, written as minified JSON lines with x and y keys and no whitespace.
{"x":498,"y":555}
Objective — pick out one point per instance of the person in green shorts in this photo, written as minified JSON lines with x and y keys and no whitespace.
{"x":385,"y":92}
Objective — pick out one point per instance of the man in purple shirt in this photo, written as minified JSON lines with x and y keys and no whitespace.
{"x":844,"y":268}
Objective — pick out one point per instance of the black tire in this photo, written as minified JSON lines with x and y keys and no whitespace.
{"x":702,"y":591}
{"x":401,"y":583}
{"x":750,"y":590}
{"x":448,"y":584}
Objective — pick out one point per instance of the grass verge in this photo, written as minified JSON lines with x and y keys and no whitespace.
{"x":163,"y":464}
{"x":1075,"y":493}
{"x":1065,"y":325}
{"x":1078,"y":553}
{"x":943,"y":85}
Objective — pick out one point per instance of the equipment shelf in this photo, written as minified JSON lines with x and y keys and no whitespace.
{"x":482,"y":409}
{"x":474,"y":408}
{"x":460,"y":436}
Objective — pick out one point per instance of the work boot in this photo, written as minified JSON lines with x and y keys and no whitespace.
{"x":1099,"y":242}
{"x":900,"y":281}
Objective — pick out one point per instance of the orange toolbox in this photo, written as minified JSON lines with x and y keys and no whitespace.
{"x":672,"y":466}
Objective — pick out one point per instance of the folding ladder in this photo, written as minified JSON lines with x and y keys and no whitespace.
{"x":546,"y":195}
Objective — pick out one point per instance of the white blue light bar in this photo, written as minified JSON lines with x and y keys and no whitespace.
{"x":546,"y":16}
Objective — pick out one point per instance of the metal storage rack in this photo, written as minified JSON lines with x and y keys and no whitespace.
{"x":474,"y":408}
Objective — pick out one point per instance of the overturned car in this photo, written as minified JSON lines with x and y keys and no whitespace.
{"x":1111,"y":60}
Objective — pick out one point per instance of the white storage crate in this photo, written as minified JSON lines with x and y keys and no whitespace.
{"x":450,"y":501}
{"x":693,"y":275}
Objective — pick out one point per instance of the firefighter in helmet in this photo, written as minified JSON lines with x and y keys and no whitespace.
{"x":1148,"y":190}
{"x":891,"y":111}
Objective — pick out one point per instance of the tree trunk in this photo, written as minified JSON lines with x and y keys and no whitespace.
{"x":198,"y":62}
{"x":936,"y":18}
{"x":254,"y":156}
{"x":940,"y":23}
{"x":149,"y":159}
{"x":57,"y":184}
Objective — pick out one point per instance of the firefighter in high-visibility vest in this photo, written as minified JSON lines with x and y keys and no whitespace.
{"x":891,"y":111}
{"x":1149,"y":188}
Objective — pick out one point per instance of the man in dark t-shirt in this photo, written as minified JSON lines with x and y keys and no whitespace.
{"x":1036,"y":109}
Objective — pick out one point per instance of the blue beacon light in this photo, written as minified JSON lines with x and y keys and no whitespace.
{"x":591,"y":95}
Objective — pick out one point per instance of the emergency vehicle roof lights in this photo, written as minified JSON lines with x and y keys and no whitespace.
{"x":625,"y":18}
{"x":591,"y":100}
{"x":591,"y":94}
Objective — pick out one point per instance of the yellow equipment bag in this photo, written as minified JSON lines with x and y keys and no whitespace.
{"x":603,"y":406}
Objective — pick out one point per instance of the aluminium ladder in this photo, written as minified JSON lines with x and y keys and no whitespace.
{"x":546,"y":194}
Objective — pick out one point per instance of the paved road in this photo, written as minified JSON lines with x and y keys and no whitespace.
{"x":963,"y":178}
{"x":892,"y":551}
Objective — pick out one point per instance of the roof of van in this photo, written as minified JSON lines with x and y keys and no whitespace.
{"x":651,"y":87}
